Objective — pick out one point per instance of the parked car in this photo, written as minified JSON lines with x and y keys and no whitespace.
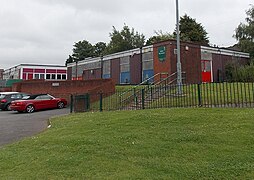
{"x":7,"y":97}
{"x":37,"y":102}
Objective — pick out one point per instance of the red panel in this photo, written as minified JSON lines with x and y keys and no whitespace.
{"x":206,"y":77}
{"x":27,"y":70}
{"x":50,"y":70}
{"x":30,"y":76}
{"x":206,"y":71}
{"x":60,"y":71}
{"x":24,"y":76}
{"x":39,"y":70}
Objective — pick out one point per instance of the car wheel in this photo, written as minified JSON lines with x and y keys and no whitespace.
{"x":8,"y":107}
{"x":60,"y":105}
{"x":30,"y":108}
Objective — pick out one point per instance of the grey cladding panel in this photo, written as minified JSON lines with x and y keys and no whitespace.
{"x":73,"y":71}
{"x":206,"y":55}
{"x":125,"y":60}
{"x":106,"y":67}
{"x":147,"y":56}
{"x":147,"y":65}
{"x":92,"y":65}
{"x":80,"y":69}
{"x":125,"y":68}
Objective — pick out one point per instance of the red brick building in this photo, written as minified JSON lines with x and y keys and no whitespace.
{"x":200,"y":63}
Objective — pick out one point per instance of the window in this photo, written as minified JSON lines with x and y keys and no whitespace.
{"x":47,"y":76}
{"x":59,"y":76}
{"x":43,"y":97}
{"x":36,"y":76}
{"x":53,"y":76}
{"x":16,"y":96}
{"x":207,"y":66}
{"x":125,"y":64}
{"x":63,"y":76}
{"x":41,"y":76}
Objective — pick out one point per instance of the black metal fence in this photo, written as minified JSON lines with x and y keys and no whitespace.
{"x":167,"y":96}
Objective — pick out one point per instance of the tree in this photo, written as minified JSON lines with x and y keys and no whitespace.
{"x":192,"y":31}
{"x":125,"y":39}
{"x":69,"y":60}
{"x":82,"y":49}
{"x":160,"y":36}
{"x":99,"y":49}
{"x":244,"y":33}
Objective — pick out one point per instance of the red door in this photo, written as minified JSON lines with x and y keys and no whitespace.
{"x":206,"y":71}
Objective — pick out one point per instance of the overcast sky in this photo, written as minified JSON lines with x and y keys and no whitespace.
{"x":44,"y":31}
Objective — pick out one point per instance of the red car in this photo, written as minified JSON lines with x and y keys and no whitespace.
{"x":37,"y":102}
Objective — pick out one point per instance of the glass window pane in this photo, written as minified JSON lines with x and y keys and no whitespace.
{"x":47,"y":76}
{"x":53,"y":76}
{"x":207,"y":66}
{"x":41,"y":76}
{"x":36,"y":76}
{"x":59,"y":76}
{"x":63,"y":76}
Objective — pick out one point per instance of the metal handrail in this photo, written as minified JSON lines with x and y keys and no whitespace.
{"x":136,"y":93}
{"x":143,"y":83}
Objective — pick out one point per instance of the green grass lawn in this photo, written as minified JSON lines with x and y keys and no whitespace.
{"x":183,"y":143}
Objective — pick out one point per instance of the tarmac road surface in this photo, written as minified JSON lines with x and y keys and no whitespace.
{"x":14,"y":126}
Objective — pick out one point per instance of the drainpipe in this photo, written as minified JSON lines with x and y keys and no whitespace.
{"x":101,"y":67}
{"x":141,"y":65}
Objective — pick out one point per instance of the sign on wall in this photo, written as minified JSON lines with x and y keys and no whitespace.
{"x":162,"y":53}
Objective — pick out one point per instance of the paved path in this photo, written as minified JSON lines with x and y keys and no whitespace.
{"x":15,"y":126}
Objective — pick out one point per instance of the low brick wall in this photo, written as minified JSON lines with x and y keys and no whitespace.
{"x":5,"y":89}
{"x":64,"y":89}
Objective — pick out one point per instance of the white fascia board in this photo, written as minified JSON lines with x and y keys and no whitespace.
{"x":43,"y":67}
{"x":224,"y":52}
{"x":85,"y":61}
{"x":147,"y":49}
{"x":122,"y":54}
{"x":113,"y":56}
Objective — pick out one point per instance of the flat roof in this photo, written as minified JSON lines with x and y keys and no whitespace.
{"x":39,"y":65}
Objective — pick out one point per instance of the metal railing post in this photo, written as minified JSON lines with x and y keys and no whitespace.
{"x":199,"y":95}
{"x":88,"y":102}
{"x":71,"y":107}
{"x":143,"y":98}
{"x":101,"y":97}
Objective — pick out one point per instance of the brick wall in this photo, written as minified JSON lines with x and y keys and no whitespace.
{"x":6,"y":89}
{"x":115,"y":70}
{"x":190,"y":60}
{"x":162,"y":66}
{"x":220,"y":62}
{"x":135,"y":69}
{"x":64,"y":89}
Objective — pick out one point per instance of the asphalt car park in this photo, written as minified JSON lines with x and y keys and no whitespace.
{"x":15,"y":126}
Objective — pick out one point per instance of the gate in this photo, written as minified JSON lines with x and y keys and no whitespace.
{"x":80,"y":103}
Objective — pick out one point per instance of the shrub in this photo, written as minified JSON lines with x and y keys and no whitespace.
{"x":236,"y":73}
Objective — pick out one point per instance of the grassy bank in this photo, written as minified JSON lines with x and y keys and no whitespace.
{"x":149,"y":144}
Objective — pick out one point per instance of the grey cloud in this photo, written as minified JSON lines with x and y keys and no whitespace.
{"x":44,"y":31}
